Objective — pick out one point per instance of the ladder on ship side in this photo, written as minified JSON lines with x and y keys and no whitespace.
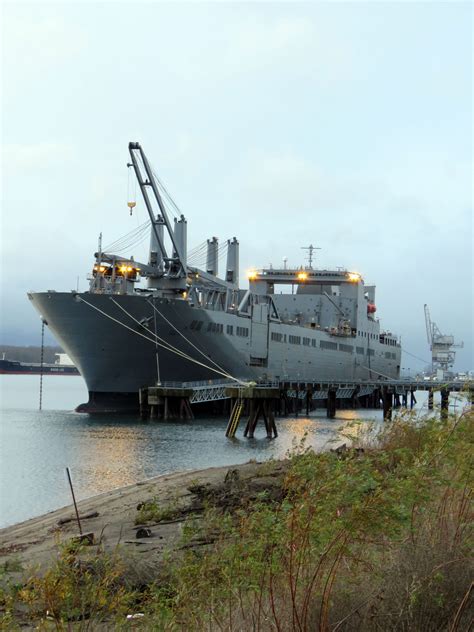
{"x":234,"y":419}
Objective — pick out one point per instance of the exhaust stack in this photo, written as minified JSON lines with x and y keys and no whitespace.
{"x":155,"y":258}
{"x":232,"y":270}
{"x":181,"y":236}
{"x":212,"y":252}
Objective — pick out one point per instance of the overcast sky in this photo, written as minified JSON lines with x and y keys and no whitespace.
{"x":348,"y":125}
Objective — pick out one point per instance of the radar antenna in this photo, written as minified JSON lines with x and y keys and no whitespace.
{"x":311,"y":249}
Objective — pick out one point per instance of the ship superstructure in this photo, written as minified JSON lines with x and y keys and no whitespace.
{"x":190,"y":324}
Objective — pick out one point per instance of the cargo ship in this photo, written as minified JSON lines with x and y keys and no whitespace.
{"x":173,"y":319}
{"x":14,"y":367}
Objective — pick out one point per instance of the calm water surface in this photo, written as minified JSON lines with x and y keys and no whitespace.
{"x":108,"y":452}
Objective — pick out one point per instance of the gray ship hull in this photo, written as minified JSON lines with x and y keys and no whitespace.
{"x":117,"y":356}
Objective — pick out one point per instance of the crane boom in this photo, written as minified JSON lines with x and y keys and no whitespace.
{"x":175,"y":263}
{"x":429,"y":328}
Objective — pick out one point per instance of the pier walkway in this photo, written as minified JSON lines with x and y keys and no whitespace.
{"x":174,"y":399}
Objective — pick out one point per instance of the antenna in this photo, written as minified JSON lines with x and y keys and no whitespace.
{"x":311,"y":249}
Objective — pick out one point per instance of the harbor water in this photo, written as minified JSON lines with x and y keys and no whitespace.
{"x":112,"y":451}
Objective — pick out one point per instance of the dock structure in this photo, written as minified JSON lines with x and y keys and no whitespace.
{"x":265,"y":400}
{"x":259,"y":400}
{"x":163,"y":402}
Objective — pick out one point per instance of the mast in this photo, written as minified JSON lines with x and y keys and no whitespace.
{"x":311,"y":249}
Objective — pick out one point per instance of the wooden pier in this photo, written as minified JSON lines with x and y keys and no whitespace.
{"x":267,"y":400}
{"x":162,"y":402}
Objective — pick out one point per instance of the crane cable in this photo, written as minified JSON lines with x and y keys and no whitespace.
{"x":128,"y":237}
{"x":131,"y":199}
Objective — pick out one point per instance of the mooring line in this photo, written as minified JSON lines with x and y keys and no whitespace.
{"x":172,"y":347}
{"x":189,"y":341}
{"x":179,"y":353}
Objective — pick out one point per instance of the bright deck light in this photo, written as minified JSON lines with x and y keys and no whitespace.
{"x":302,"y":276}
{"x":354,"y":277}
{"x":251,"y":275}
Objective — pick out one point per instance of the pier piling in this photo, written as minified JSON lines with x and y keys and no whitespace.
{"x":430,"y":399}
{"x":331,"y":403}
{"x":161,"y":402}
{"x":444,"y":403}
{"x":387,"y":398}
{"x":261,"y":402}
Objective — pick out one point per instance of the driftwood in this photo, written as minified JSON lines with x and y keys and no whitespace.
{"x":92,"y":514}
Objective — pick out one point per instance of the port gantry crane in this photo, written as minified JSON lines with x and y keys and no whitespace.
{"x":441,"y":346}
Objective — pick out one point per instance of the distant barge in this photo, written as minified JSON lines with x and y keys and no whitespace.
{"x":12,"y":367}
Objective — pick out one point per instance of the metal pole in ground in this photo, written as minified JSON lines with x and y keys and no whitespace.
{"x":43,"y":322}
{"x":74,"y":500}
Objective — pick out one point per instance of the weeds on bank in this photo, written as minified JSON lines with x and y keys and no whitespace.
{"x":77,"y":592}
{"x":153,"y":511}
{"x":378,"y":540}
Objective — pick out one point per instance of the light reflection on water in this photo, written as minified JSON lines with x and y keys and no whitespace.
{"x":108,"y":452}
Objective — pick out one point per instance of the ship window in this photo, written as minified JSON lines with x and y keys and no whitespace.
{"x":295,"y":340}
{"x":230,"y":330}
{"x":277,"y":337}
{"x":328,"y":345}
{"x":360,"y":350}
{"x":388,"y":355}
{"x":193,"y":324}
{"x":306,"y":341}
{"x":314,"y":343}
{"x":242,"y":331}
{"x":370,"y":352}
{"x":216,"y":328}
{"x":346,"y":348}
{"x":393,"y":356}
{"x":200,"y":323}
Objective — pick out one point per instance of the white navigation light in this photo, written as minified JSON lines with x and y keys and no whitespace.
{"x":251,"y":275}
